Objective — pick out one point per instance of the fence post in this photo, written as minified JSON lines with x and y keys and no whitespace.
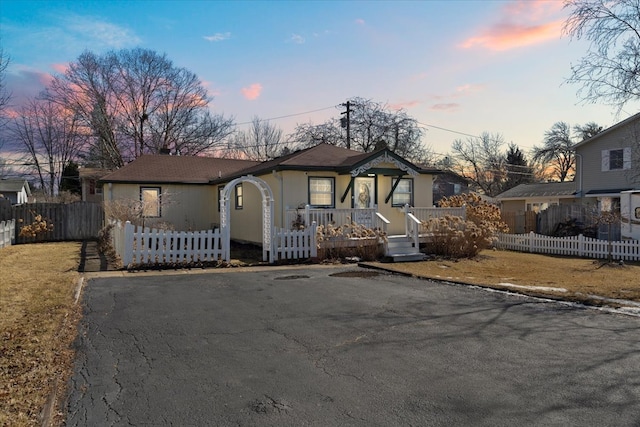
{"x":531,"y":234}
{"x":580,"y":245}
{"x":312,"y":241}
{"x":307,"y":214}
{"x":128,"y":245}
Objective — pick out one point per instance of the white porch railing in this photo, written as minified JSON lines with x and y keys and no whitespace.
{"x":580,"y":246}
{"x":425,"y":214}
{"x":368,"y":217}
{"x":7,"y":233}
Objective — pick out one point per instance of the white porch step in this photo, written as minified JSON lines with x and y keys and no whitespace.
{"x":400,"y":249}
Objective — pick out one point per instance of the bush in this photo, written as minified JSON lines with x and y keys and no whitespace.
{"x":349,"y":240}
{"x":456,"y":237}
{"x":38,"y":226}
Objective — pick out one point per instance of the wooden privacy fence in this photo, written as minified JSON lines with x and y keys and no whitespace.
{"x":137,"y":245}
{"x":580,"y":246}
{"x":7,"y":233}
{"x":72,"y":221}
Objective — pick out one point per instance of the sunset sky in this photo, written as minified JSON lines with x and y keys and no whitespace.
{"x":463,"y":66}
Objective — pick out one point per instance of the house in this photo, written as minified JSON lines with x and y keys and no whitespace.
{"x":449,"y":184}
{"x":537,"y":196}
{"x":91,"y":189}
{"x":186,"y":191}
{"x":173,"y":190}
{"x":16,"y":190}
{"x":607,"y":164}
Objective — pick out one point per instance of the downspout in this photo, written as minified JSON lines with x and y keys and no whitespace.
{"x":282,"y":212}
{"x":579,"y":192}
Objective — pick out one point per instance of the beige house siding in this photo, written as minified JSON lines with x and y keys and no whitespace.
{"x":186,"y":207}
{"x":291,"y":189}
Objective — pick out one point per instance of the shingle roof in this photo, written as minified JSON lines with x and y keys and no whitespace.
{"x":176,"y":169}
{"x":14,"y":185}
{"x":546,"y":189}
{"x":322,"y":157}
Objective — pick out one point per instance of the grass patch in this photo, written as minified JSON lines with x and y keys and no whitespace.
{"x":38,"y":324}
{"x":579,"y":277}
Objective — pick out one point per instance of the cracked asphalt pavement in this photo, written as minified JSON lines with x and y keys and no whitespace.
{"x":323,"y":346}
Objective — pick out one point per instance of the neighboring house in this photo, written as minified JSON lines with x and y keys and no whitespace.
{"x":90,"y":185}
{"x":449,"y":184}
{"x":323,"y":176}
{"x":536,"y":197}
{"x":607,"y":164}
{"x":16,"y":190}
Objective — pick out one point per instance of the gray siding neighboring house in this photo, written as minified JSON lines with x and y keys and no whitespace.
{"x":16,"y":190}
{"x":607,"y":164}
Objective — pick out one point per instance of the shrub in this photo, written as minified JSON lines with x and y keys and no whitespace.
{"x":459,"y":238}
{"x":40,"y":225}
{"x":349,"y":240}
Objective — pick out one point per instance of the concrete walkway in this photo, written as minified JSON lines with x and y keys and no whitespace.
{"x":91,"y":260}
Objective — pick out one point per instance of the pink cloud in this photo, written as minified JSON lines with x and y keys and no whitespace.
{"x":521,"y":23}
{"x":404,"y":105}
{"x":360,"y":21}
{"x":445,"y":107}
{"x":60,"y":68}
{"x":252,"y":92}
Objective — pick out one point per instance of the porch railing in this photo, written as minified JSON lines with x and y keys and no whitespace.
{"x":302,"y":217}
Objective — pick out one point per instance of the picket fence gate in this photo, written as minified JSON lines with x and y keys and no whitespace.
{"x":581,"y":246}
{"x":142,"y":245}
{"x":7,"y":233}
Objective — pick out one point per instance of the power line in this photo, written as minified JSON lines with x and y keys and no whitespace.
{"x":289,"y":115}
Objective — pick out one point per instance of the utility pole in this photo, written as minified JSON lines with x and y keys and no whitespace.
{"x":346,"y":122}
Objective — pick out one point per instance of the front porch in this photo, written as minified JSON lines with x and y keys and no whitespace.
{"x":402,"y":239}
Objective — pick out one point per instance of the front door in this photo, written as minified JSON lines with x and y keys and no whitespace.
{"x":364,"y":192}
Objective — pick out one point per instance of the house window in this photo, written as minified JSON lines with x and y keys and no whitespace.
{"x":239,"y":197}
{"x":403,"y":194}
{"x":617,"y":159}
{"x":92,"y":186}
{"x":150,"y":198}
{"x":321,"y":192}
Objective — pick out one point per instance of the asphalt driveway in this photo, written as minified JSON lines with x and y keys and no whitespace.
{"x":327,"y":347}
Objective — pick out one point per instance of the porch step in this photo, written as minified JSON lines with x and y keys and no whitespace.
{"x":400,"y":249}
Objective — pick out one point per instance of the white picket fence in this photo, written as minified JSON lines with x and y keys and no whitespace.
{"x":581,"y":246}
{"x":142,"y":245}
{"x":7,"y":233}
{"x":295,"y":244}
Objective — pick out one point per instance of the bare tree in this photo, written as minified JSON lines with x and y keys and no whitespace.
{"x":368,"y":126}
{"x":481,"y":161}
{"x":137,"y":102}
{"x":5,"y":96}
{"x":557,"y":151}
{"x":609,"y":71}
{"x":262,"y":141}
{"x":51,"y":139}
{"x":557,"y":154}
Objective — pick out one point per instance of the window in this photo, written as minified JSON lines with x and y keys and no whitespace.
{"x":321,"y":192}
{"x":150,"y":198}
{"x":403,"y":194}
{"x":617,"y":159}
{"x":239,"y":197}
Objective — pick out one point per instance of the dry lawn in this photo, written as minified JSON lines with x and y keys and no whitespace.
{"x":38,"y":323}
{"x":535,"y":274}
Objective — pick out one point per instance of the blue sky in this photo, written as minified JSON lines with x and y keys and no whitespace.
{"x":464,"y":66}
